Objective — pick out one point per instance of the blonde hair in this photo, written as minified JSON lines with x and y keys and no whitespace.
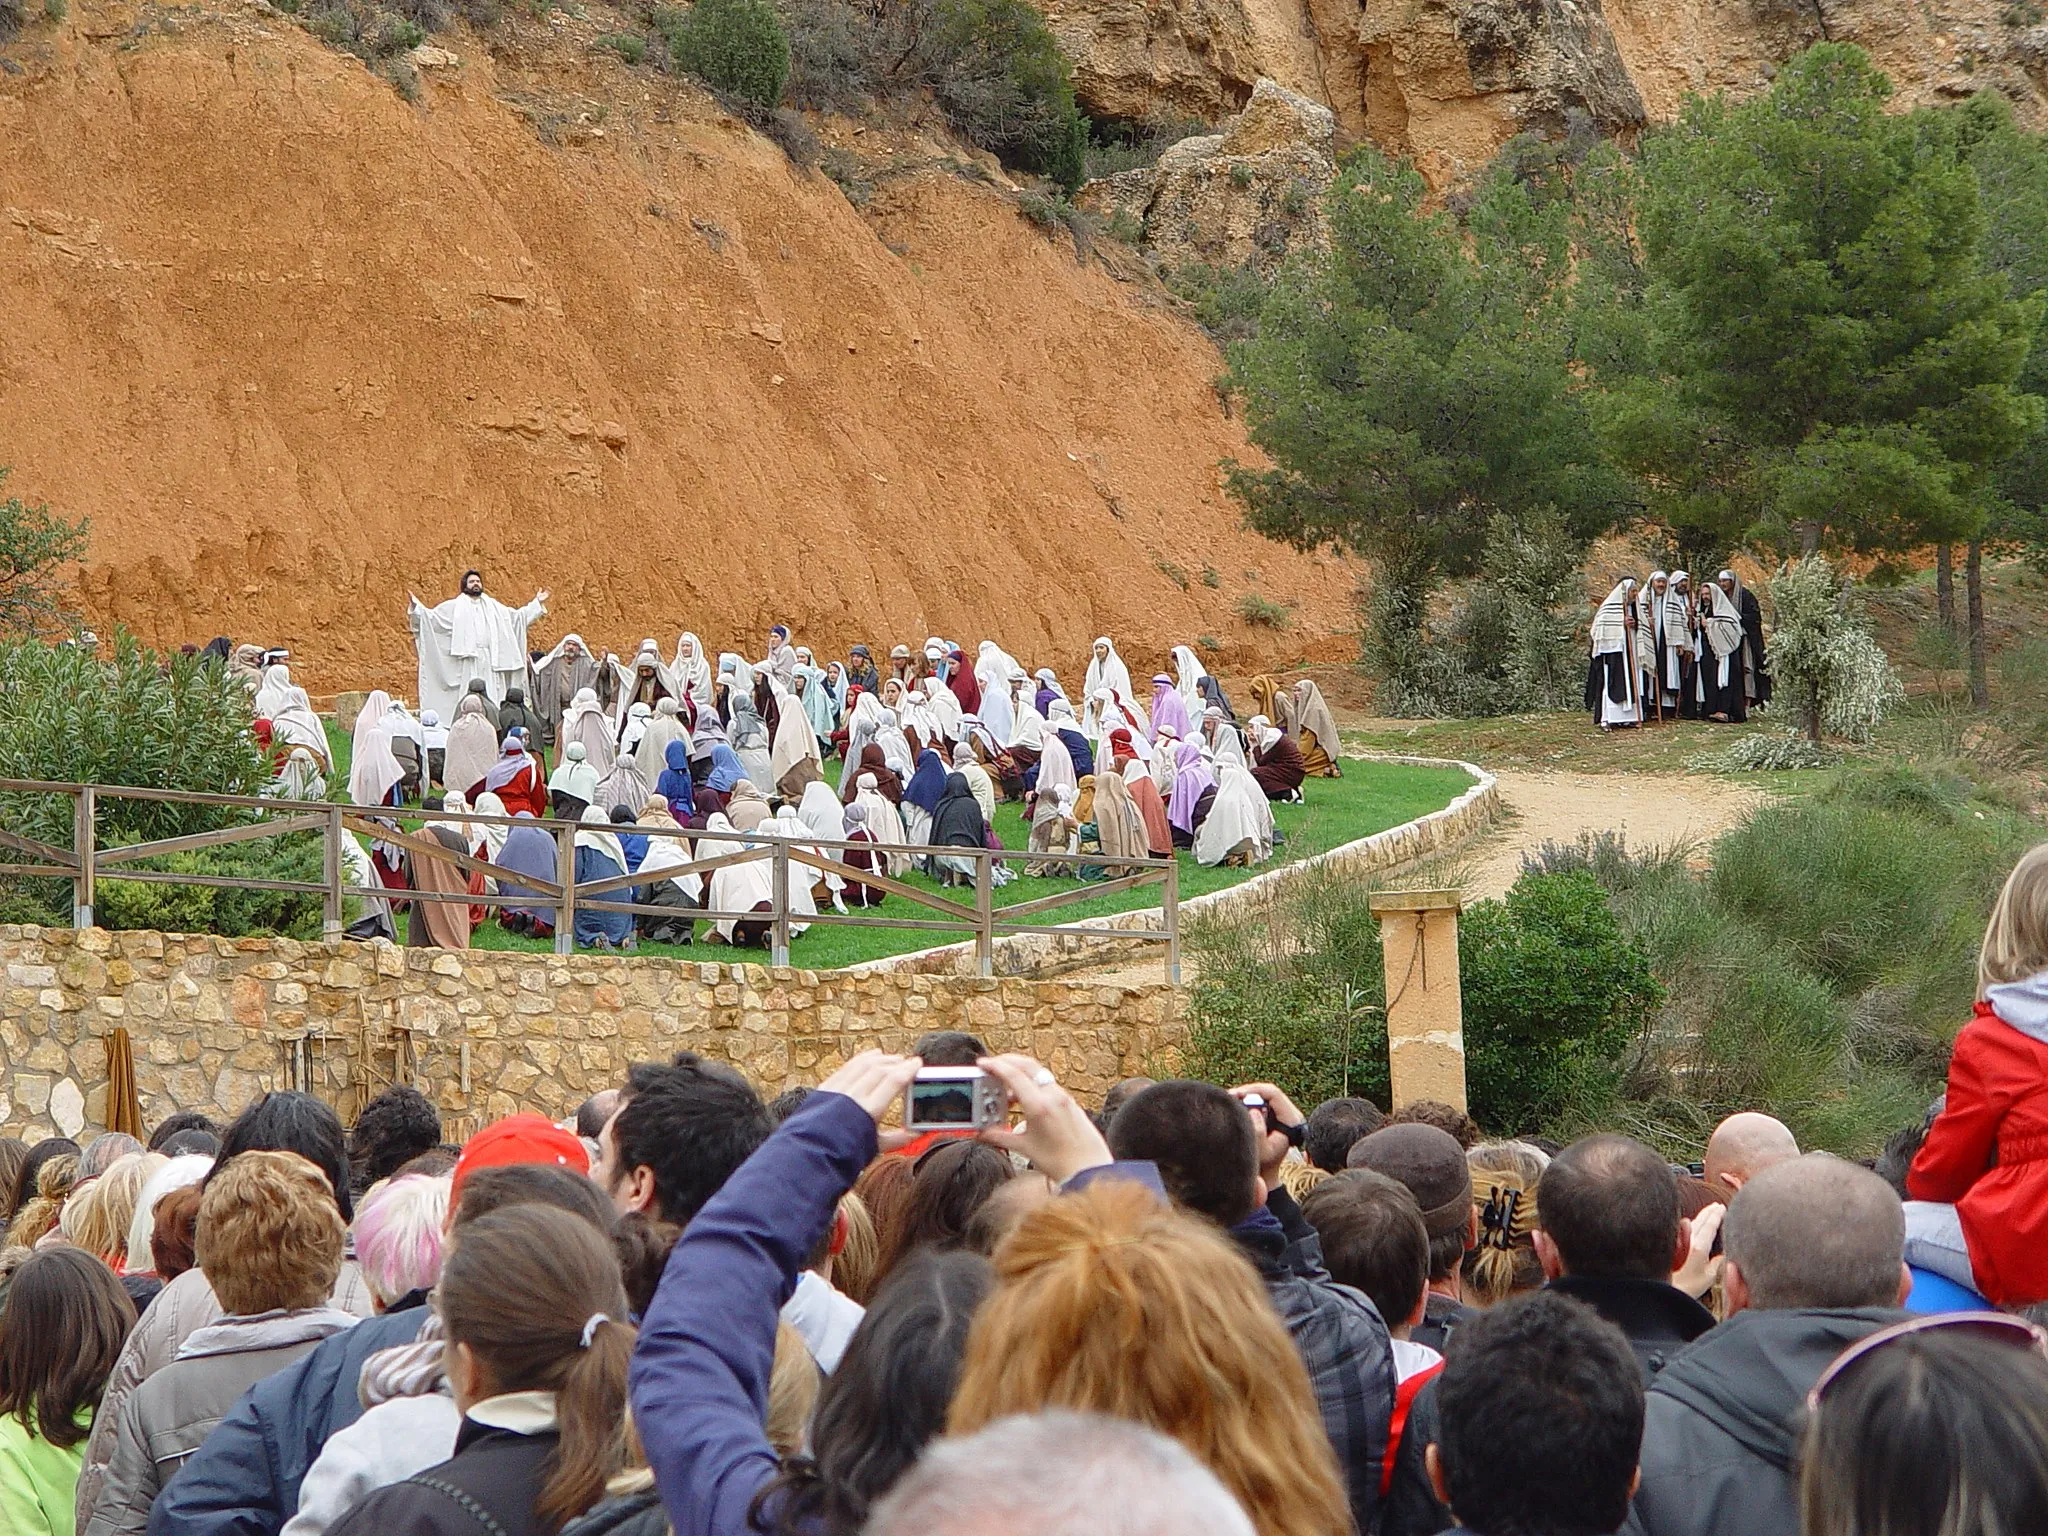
{"x":1504,"y":1262}
{"x":1298,"y":1177}
{"x":792,"y":1392}
{"x":97,"y":1215}
{"x":39,"y":1213}
{"x":2016,"y":939}
{"x":854,"y":1266}
{"x":1107,"y":1301}
{"x":269,"y":1234}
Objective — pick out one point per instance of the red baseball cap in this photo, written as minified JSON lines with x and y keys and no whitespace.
{"x":519,"y":1139}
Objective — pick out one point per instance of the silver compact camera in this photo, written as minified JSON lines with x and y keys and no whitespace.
{"x":955,"y":1099}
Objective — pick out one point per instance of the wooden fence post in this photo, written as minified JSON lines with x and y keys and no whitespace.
{"x":565,"y":874}
{"x":984,"y":915}
{"x":330,"y":875}
{"x":1172,"y":905}
{"x":778,"y":953}
{"x":82,"y":894}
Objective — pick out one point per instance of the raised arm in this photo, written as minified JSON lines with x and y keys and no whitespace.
{"x":699,"y":1378}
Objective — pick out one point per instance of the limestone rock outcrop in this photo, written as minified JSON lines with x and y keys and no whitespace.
{"x":1251,"y":193}
{"x":1449,"y":81}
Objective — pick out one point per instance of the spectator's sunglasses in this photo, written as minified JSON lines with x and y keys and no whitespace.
{"x":1998,"y":1327}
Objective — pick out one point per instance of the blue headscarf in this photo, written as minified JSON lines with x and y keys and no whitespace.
{"x":674,"y":784}
{"x":725,"y":769}
{"x":928,"y":784}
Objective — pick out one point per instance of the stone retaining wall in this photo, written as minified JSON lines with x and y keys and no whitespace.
{"x":1045,"y":954}
{"x":216,"y":1021}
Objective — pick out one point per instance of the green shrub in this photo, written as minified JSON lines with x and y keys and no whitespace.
{"x":1226,"y":300}
{"x":1770,"y":753}
{"x":630,"y":46}
{"x":1131,"y":146}
{"x":991,"y":65}
{"x":736,"y":47}
{"x":1554,"y":992}
{"x":136,"y":718}
{"x":1211,"y":577}
{"x":1262,"y":611}
{"x":34,"y":546}
{"x":223,"y":909}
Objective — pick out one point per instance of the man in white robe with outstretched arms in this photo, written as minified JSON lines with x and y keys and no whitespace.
{"x":472,"y":635}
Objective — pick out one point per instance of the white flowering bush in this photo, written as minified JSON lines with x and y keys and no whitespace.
{"x":1826,"y":661}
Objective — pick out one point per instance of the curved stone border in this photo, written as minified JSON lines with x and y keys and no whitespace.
{"x":1045,"y":953}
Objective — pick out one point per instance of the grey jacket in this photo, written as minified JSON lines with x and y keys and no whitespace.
{"x":170,"y":1415}
{"x":181,"y":1308}
{"x":1721,"y":1423}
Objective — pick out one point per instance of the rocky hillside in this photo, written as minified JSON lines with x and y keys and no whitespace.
{"x":1448,"y":81}
{"x":297,"y":345}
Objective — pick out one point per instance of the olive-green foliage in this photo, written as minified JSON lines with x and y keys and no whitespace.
{"x":223,"y":909}
{"x":1822,"y":967}
{"x":1413,"y":386}
{"x":34,"y":545}
{"x":1831,"y":362}
{"x":734,"y":46}
{"x":1554,"y":993}
{"x":1227,"y":300}
{"x":69,"y":715}
{"x":991,"y":65}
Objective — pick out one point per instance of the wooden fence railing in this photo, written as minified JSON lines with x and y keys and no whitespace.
{"x":86,"y":864}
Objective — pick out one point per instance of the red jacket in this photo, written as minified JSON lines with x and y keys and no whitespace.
{"x":1987,"y":1154}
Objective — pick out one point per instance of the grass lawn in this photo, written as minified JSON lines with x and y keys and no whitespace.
{"x":1371,"y":797}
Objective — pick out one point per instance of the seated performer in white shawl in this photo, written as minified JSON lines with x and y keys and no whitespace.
{"x":471,"y":635}
{"x":1611,"y":676}
{"x":1239,"y":826}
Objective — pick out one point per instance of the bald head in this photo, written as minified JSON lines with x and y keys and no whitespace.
{"x":594,"y":1111}
{"x":1742,"y":1147}
{"x":1815,"y":1232}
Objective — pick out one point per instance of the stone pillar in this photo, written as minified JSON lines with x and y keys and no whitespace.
{"x":1425,"y":1013}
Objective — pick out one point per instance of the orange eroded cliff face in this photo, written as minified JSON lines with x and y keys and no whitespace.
{"x":297,"y":346}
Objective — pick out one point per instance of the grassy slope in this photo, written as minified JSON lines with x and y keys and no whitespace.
{"x":1371,"y":797}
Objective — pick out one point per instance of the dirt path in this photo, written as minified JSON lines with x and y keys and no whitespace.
{"x":1652,"y":810}
{"x":1649,"y":809}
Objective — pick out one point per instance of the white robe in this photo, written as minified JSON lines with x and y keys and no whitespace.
{"x":467,"y":638}
{"x":1108,"y":673}
{"x":1239,"y":815}
{"x":1188,"y":675}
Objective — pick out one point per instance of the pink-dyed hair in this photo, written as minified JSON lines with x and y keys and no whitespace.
{"x":398,"y":1236}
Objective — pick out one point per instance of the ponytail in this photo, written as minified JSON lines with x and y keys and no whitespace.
{"x":590,"y":1407}
{"x":535,"y":1292}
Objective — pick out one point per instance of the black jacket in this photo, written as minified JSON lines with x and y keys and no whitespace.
{"x":630,"y":1514}
{"x":1721,"y":1424}
{"x":1440,"y":1319}
{"x":486,"y":1488}
{"x":1659,"y":1322}
{"x":1341,"y":1338}
{"x":1658,"y":1319}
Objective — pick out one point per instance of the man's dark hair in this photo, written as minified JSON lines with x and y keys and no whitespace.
{"x":787,"y":1103}
{"x":284,"y":1121}
{"x":1334,"y":1125}
{"x":183,"y":1120}
{"x":693,"y":1123}
{"x":1611,"y":1206}
{"x":592,"y":1113}
{"x":394,"y":1128}
{"x":1202,"y":1141}
{"x":434,"y":1163}
{"x":1541,"y":1405}
{"x":949,"y":1048}
{"x":1121,"y":1093}
{"x":1373,"y":1239}
{"x":479,"y":575}
{"x":187,"y":1142}
{"x":492,"y":1189}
